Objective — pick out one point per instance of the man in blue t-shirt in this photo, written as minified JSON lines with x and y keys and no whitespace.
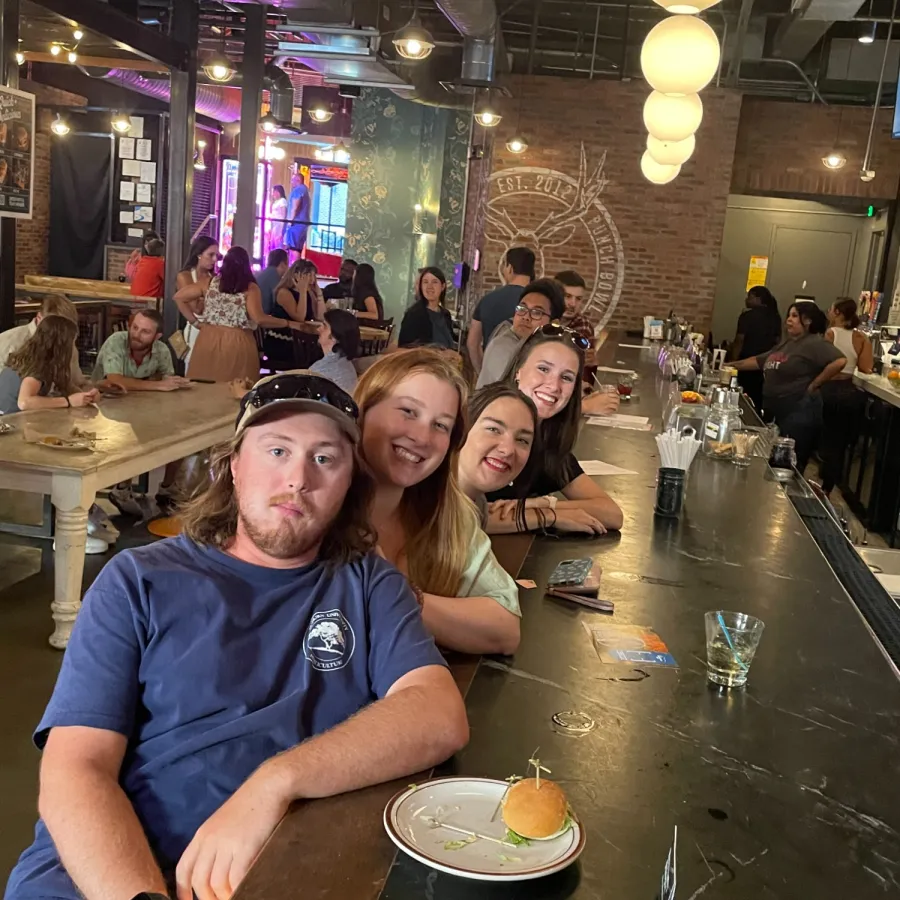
{"x":499,"y":305}
{"x":265,"y":655}
{"x":298,"y":214}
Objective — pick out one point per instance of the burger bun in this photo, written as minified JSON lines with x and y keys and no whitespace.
{"x":535,"y":811}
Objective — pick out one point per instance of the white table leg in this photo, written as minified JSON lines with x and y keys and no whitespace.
{"x":72,"y":499}
{"x":68,"y":570}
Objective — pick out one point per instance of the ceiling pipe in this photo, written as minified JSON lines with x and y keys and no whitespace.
{"x":867,"y":158}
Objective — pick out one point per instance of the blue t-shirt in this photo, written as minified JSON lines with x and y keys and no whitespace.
{"x":210,"y":666}
{"x":267,"y":281}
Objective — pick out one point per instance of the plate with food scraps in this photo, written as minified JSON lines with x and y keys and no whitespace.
{"x":456,"y":825}
{"x":55,"y":442}
{"x":7,"y":428}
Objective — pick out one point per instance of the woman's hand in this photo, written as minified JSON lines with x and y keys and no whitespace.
{"x":577,"y":521}
{"x":84,"y":398}
{"x":600,"y":403}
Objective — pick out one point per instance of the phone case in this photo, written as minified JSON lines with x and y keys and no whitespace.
{"x":570,"y":572}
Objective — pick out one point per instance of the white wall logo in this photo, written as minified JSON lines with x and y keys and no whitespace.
{"x":329,"y":642}
{"x":513,"y":219}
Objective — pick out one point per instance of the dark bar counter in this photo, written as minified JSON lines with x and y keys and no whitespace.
{"x":788,"y":788}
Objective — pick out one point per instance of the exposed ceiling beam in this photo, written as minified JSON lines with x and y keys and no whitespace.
{"x":126,"y":33}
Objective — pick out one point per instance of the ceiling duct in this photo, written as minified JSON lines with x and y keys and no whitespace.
{"x":281,"y":93}
{"x":807,"y":23}
{"x":476,"y":21}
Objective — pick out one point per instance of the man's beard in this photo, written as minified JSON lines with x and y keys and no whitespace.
{"x":138,"y":347}
{"x":284,"y":542}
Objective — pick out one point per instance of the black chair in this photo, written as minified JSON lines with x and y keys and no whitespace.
{"x":375,"y":346}
{"x":306,"y":349}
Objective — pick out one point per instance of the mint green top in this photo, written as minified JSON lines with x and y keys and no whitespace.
{"x":485,"y":577}
{"x":115,"y":358}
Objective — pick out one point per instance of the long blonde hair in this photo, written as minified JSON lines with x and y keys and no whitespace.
{"x":438,"y":519}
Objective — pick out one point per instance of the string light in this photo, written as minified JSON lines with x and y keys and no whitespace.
{"x":73,"y":56}
{"x":78,"y":34}
{"x":55,"y":49}
{"x":59,"y":126}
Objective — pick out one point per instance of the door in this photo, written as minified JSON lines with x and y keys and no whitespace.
{"x":821,"y":259}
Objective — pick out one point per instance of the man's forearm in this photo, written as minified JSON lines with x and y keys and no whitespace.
{"x":133,"y":384}
{"x":97,"y":835}
{"x":375,"y":745}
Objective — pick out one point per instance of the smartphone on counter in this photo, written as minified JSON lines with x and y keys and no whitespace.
{"x":572,"y":574}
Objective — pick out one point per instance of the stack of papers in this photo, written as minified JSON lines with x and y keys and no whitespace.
{"x":634,"y":423}
{"x":598,"y":467}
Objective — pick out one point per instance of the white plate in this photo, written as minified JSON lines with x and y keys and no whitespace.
{"x":469,"y":803}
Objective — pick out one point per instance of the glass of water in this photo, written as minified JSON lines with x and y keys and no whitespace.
{"x":731,"y":642}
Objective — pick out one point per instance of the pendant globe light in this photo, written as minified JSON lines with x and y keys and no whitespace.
{"x":680,"y":55}
{"x":671,"y":153}
{"x":655,"y":173}
{"x":672,"y":118}
{"x":685,"y":7}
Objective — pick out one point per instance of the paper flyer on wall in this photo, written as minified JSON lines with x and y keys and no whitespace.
{"x":130,"y":168}
{"x":126,"y":148}
{"x":16,"y":153}
{"x":144,"y":148}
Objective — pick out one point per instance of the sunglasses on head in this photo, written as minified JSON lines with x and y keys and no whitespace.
{"x":551,"y":329}
{"x":300,"y":387}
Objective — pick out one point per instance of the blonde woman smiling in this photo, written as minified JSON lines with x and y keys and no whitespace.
{"x":412,"y":417}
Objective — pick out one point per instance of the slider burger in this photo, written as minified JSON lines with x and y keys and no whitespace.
{"x":535,"y":809}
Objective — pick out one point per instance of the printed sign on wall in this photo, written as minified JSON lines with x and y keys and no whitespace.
{"x":516,"y":216}
{"x":759,"y":269}
{"x":16,"y":153}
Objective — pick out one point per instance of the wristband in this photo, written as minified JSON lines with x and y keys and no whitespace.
{"x":420,"y":594}
{"x":552,"y":500}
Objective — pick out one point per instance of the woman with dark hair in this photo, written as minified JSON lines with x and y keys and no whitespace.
{"x":339,"y":340}
{"x":548,"y":369}
{"x":366,"y":299}
{"x":503,"y":426}
{"x":198,"y":268}
{"x":41,"y":365}
{"x":278,"y":212}
{"x":232,"y":307}
{"x":427,"y":321}
{"x":758,"y":331}
{"x":842,"y":401}
{"x":136,"y":254}
{"x":793,"y":372}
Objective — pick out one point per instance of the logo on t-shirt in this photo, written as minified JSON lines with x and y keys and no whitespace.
{"x":329,"y":642}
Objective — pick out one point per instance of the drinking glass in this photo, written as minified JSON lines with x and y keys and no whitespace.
{"x":625,"y":386}
{"x":744,"y":441}
{"x":731,"y":642}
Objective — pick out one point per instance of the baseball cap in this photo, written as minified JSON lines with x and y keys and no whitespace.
{"x":303,"y":391}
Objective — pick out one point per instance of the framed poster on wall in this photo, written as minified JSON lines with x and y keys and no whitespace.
{"x":16,"y":153}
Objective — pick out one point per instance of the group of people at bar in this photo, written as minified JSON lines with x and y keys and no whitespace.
{"x":273,"y":650}
{"x":801,"y":377}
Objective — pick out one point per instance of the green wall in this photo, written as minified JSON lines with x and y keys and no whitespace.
{"x":405,"y":154}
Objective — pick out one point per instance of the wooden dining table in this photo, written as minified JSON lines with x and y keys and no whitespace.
{"x":135,"y":433}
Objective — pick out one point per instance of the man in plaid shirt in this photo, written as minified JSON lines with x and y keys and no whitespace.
{"x":572,"y":318}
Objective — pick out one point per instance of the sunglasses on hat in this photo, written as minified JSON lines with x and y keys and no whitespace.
{"x":288,"y":386}
{"x":552,"y":329}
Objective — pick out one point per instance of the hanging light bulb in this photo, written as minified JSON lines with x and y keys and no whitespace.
{"x":517,"y":145}
{"x":218,"y":67}
{"x":120,"y":122}
{"x":485,"y":115}
{"x":276,"y":152}
{"x":341,"y":153}
{"x":655,"y":173}
{"x":834,"y":160}
{"x":73,"y":56}
{"x":268,"y":123}
{"x":671,"y":153}
{"x":55,"y":49}
{"x":321,"y":115}
{"x":672,"y":118}
{"x":20,"y":57}
{"x":58,"y":126}
{"x":680,"y":55}
{"x":413,"y":40}
{"x":868,"y":31}
{"x":78,"y":34}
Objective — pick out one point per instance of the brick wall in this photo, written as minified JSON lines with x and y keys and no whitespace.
{"x":33,"y":235}
{"x":780,"y":146}
{"x":642,"y":248}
